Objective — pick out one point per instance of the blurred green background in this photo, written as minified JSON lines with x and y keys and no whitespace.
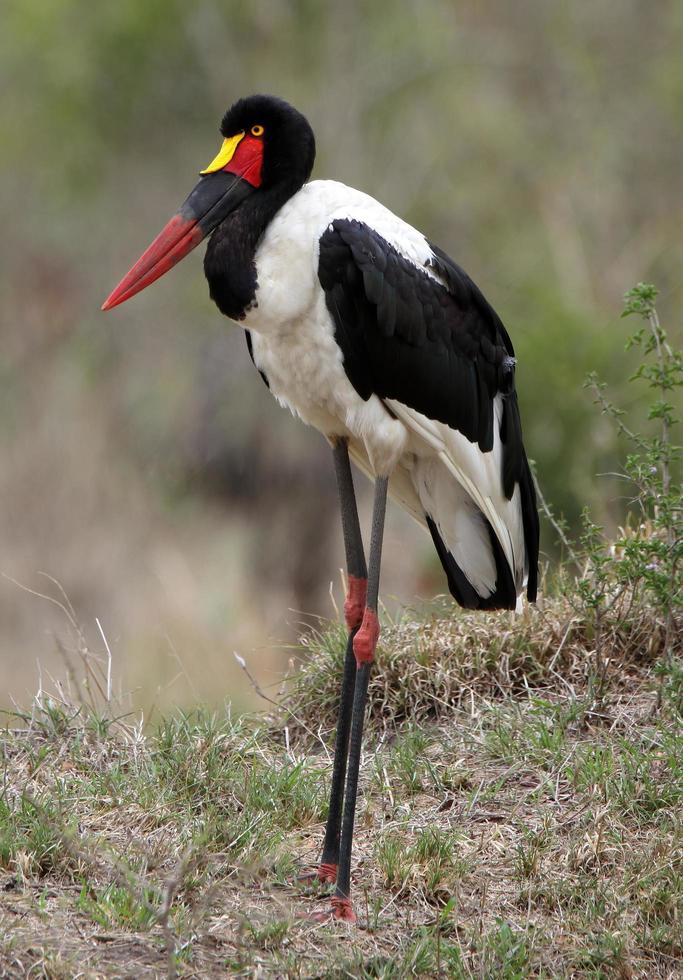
{"x":143,"y":465}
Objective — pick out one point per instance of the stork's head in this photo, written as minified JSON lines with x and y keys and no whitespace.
{"x":268,"y":149}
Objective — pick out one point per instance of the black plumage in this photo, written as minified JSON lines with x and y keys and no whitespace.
{"x":504,"y":595}
{"x":439,"y":348}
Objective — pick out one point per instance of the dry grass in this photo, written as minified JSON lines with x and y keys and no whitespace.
{"x":427,"y":667}
{"x":518,"y":830}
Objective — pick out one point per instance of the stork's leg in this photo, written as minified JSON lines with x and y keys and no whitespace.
{"x":364,"y":644}
{"x":353,"y":612}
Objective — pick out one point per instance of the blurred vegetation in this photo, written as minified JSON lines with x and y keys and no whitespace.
{"x":142,"y":463}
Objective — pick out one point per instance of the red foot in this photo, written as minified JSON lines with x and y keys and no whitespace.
{"x":354,"y":604}
{"x":342,"y":909}
{"x":327,"y":872}
{"x":365,"y":640}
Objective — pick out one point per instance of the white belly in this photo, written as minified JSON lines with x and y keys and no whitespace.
{"x":305,"y":372}
{"x":291,"y":329}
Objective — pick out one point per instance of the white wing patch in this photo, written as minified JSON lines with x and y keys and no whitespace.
{"x":459,"y":522}
{"x":460,"y":484}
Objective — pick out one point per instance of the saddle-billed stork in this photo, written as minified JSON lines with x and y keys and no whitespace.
{"x":367,"y":331}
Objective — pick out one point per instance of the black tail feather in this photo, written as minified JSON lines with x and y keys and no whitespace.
{"x":530,"y":524}
{"x":504,"y":595}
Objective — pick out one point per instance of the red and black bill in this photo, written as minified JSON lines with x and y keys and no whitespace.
{"x":229,"y":179}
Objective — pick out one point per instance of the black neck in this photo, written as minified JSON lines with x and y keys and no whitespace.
{"x":229,"y":261}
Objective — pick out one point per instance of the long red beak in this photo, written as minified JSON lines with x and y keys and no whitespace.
{"x":213,"y":198}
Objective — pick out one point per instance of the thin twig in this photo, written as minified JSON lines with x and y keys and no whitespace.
{"x":281,"y":707}
{"x":555,"y":524}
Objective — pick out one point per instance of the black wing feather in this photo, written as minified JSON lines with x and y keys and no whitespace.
{"x":438,"y":347}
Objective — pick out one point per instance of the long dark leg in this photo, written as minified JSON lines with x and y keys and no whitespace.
{"x":353,"y":611}
{"x":364,"y":644}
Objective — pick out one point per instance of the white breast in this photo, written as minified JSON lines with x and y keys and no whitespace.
{"x":292,"y":331}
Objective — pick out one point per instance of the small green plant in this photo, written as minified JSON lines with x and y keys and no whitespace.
{"x":30,"y":837}
{"x":504,"y":952}
{"x":269,"y":934}
{"x":395,"y":862}
{"x":643,"y":565}
{"x":117,"y":906}
{"x":407,"y":765}
{"x":606,"y":954}
{"x":429,"y":866}
{"x":529,"y":852}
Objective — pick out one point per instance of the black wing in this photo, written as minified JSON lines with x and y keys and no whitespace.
{"x":442,"y":350}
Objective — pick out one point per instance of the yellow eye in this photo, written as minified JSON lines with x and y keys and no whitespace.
{"x":257,"y":130}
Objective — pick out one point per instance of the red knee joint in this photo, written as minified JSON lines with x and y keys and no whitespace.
{"x":354,"y":604}
{"x":327,"y":872}
{"x":365,"y":640}
{"x":342,"y":909}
